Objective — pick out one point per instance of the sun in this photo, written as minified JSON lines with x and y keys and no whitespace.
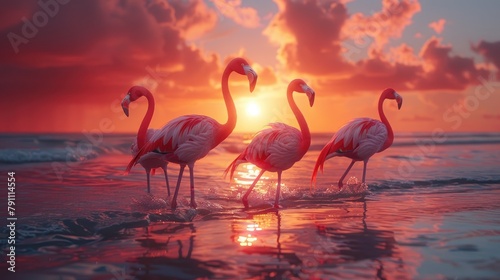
{"x":253,"y":109}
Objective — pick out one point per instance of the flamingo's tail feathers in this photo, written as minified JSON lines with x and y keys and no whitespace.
{"x":131,"y":164}
{"x":232,"y":167}
{"x":325,"y":154}
{"x":148,"y":147}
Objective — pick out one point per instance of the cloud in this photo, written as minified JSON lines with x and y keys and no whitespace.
{"x":381,"y":26}
{"x":244,"y":16}
{"x":191,"y":18}
{"x":267,"y":75}
{"x":490,"y":51}
{"x":308,"y":35}
{"x":446,"y":71}
{"x":90,"y":52}
{"x":438,"y":26}
{"x":317,"y":48}
{"x":111,"y":50}
{"x":433,"y":68}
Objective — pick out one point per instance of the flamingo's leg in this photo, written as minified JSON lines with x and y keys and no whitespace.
{"x":245,"y":197}
{"x":174,"y":199}
{"x":191,"y":178}
{"x":166,"y":178}
{"x":278,"y":191}
{"x":148,"y":171}
{"x":341,"y":180}
{"x":365,"y":162}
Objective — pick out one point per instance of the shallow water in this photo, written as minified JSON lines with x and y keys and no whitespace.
{"x":431,"y":210}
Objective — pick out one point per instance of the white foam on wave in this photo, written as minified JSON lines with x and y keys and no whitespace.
{"x":45,"y":155}
{"x":149,"y":202}
{"x":353,"y":189}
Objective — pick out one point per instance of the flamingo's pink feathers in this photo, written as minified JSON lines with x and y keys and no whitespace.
{"x":182,"y":140}
{"x":346,"y":142}
{"x":330,"y":146}
{"x":232,"y":167}
{"x":272,"y":149}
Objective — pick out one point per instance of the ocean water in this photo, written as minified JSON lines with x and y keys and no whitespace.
{"x":430,"y":210}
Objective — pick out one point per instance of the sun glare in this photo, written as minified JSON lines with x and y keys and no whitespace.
{"x":253,"y":109}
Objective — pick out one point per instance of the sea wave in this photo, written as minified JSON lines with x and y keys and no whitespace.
{"x":31,"y":148}
{"x":45,"y":155}
{"x":73,"y":147}
{"x":436,"y":183}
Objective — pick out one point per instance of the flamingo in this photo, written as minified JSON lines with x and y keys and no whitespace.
{"x":186,"y":139}
{"x":278,"y":147}
{"x":149,"y":161}
{"x":360,"y":139}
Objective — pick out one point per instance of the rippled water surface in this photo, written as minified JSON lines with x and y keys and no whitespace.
{"x":430,"y":210}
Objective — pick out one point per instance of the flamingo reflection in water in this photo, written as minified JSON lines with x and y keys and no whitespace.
{"x":348,"y":243}
{"x":159,"y":261}
{"x":253,"y":235}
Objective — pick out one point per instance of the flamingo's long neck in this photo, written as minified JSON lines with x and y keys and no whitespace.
{"x":143,"y":129}
{"x":228,"y":127}
{"x":390,"y":133}
{"x":304,"y":129}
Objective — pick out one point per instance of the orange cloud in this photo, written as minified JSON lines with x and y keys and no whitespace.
{"x":267,"y":76}
{"x":244,"y":16}
{"x":438,"y":26}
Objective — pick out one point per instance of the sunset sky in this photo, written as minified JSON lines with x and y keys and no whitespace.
{"x":66,"y":66}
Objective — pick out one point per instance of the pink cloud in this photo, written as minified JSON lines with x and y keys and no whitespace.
{"x":446,"y":71}
{"x":267,"y":76}
{"x":91,"y":52}
{"x":112,"y":50}
{"x":438,"y":26}
{"x":244,"y":16}
{"x":388,"y":23}
{"x":308,"y":33}
{"x":313,"y":48}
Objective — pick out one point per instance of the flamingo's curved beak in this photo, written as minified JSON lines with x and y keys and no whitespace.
{"x":310,"y":94}
{"x":399,"y":100}
{"x":126,"y":103}
{"x":252,"y":76}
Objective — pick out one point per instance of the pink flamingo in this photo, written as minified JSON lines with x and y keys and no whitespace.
{"x":186,"y":139}
{"x":277,"y":148}
{"x":360,"y":139}
{"x":149,"y":161}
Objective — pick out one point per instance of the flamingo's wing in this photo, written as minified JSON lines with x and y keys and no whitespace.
{"x":183,"y":139}
{"x":275,"y":148}
{"x":360,"y":138}
{"x":355,"y":134}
